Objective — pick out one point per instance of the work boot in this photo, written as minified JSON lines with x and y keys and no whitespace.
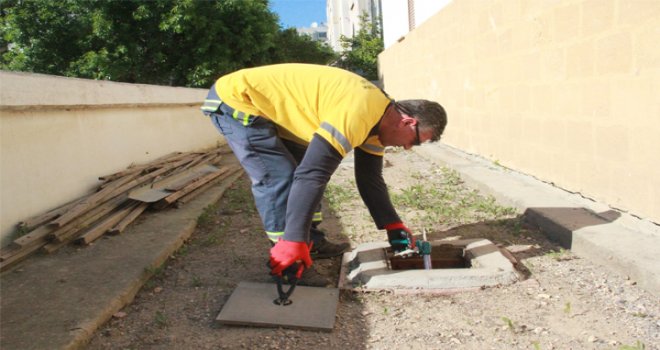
{"x":324,"y":249}
{"x":313,"y":278}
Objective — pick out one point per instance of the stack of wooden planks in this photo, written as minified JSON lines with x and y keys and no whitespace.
{"x":172,"y":180}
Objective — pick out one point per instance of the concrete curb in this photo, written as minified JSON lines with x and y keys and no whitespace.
{"x":625,"y":244}
{"x":58,"y":301}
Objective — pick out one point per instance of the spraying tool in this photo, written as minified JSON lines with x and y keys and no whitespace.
{"x":424,"y":249}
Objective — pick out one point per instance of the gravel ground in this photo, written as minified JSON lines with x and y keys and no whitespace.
{"x":561,"y":301}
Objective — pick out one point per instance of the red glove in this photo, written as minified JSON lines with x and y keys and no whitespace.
{"x":400,"y":236}
{"x":287,"y":253}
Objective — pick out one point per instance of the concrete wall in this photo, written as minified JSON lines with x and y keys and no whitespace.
{"x":566,"y":90}
{"x":58,"y":135}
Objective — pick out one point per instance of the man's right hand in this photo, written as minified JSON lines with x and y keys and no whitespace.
{"x":287,"y":253}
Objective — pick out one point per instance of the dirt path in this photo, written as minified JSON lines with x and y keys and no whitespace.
{"x":563,"y":302}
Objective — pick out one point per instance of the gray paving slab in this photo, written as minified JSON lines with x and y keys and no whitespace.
{"x":57,"y":301}
{"x":251,"y":304}
{"x":622,"y":242}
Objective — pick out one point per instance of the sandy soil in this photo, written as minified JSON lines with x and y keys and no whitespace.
{"x":561,"y":302}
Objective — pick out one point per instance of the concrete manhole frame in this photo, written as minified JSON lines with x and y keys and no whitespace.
{"x":366,"y":268}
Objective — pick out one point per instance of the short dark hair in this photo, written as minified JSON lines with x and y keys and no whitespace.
{"x":430,"y":115}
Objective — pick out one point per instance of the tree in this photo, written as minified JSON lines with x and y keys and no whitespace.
{"x":166,"y":42}
{"x":293,"y":47}
{"x":360,"y":53}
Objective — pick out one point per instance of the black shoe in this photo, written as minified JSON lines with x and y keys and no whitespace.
{"x":325,"y":249}
{"x":312,"y":278}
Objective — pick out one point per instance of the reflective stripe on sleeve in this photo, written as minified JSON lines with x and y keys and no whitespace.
{"x":373,"y":148}
{"x":337,"y":136}
{"x":275,"y":236}
{"x":211,"y":105}
{"x":318,"y":216}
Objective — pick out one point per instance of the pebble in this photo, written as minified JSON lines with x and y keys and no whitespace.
{"x":592,"y":339}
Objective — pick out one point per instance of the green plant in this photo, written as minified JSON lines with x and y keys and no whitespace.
{"x":638,"y":346}
{"x":206,"y":217}
{"x":214,"y":238}
{"x":567,"y":308}
{"x":160,"y":319}
{"x":509,"y":323}
{"x":338,"y":195}
{"x":155,"y":271}
{"x":536,"y":344}
{"x":558,"y":255}
{"x":196,"y":281}
{"x":183,"y":250}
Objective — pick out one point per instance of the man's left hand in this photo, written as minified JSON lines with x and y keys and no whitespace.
{"x":400,"y":237}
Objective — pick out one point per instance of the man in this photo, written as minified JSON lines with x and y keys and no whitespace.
{"x":290,"y":125}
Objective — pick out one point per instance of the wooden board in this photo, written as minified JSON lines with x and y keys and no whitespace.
{"x":161,"y":189}
{"x":251,"y":304}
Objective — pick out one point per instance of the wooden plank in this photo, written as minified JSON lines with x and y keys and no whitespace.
{"x":101,"y":228}
{"x":188,"y":197}
{"x":119,"y":186}
{"x":64,"y":233}
{"x":35,"y":237}
{"x":13,"y":258}
{"x":166,"y":186}
{"x":191,"y":187}
{"x":38,"y":220}
{"x":121,"y":226}
{"x":252,"y":304}
{"x":171,"y":157}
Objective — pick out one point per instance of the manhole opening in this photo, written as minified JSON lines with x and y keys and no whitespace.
{"x":443,"y":256}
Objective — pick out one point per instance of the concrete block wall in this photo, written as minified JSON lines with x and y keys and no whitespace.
{"x":58,"y":135}
{"x":567,"y":90}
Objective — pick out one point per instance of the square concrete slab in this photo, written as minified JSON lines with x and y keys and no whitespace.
{"x":252,"y":304}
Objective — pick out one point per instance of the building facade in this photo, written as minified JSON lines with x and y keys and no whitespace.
{"x":344,"y":18}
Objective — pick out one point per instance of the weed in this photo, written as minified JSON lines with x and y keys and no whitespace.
{"x":206,"y":217}
{"x":638,"y":346}
{"x":385,"y":310}
{"x":212,"y":239}
{"x":149,"y":285}
{"x":160,"y":319}
{"x":567,"y":308}
{"x":183,"y":250}
{"x":640,"y":314}
{"x":21,"y":230}
{"x":338,"y":195}
{"x":155,"y":272}
{"x":509,"y":323}
{"x":536,"y":344}
{"x":239,"y":199}
{"x":559,"y":255}
{"x":196,"y":281}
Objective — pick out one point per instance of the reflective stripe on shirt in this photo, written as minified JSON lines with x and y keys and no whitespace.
{"x":338,"y":136}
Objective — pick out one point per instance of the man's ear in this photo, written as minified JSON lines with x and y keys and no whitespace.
{"x":407,"y":121}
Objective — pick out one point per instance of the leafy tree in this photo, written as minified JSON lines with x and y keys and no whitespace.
{"x":293,"y":47}
{"x":167,"y":42}
{"x":360,"y":53}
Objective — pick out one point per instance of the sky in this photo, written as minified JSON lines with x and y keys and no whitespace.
{"x":299,"y":13}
